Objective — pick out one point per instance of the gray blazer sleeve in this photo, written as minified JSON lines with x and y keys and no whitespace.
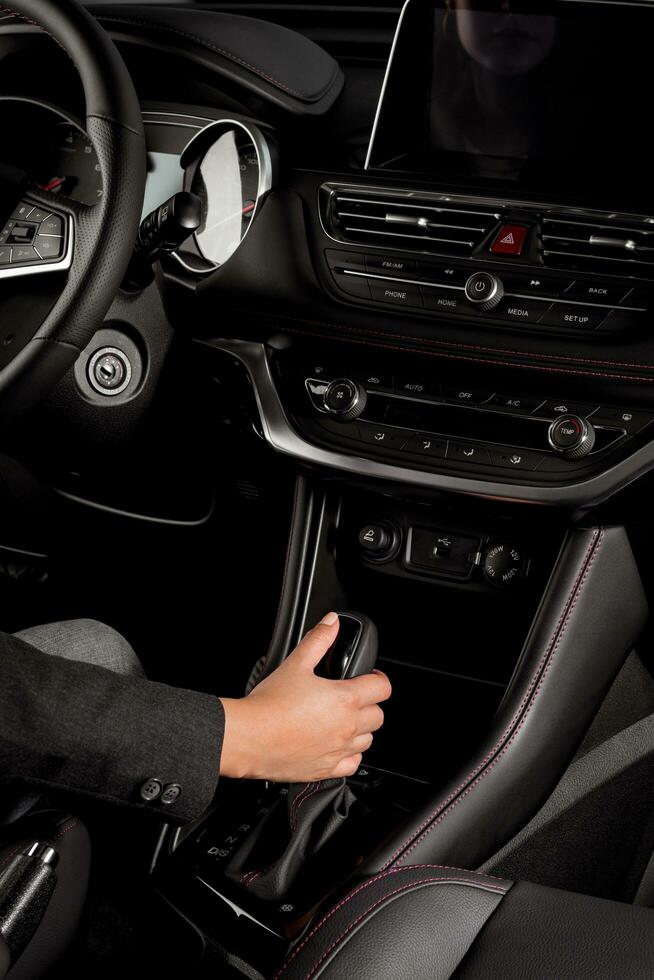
{"x":80,"y":728}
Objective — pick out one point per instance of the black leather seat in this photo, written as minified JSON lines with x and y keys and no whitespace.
{"x":434,"y":923}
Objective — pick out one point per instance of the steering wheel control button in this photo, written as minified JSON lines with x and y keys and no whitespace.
{"x":23,"y":253}
{"x":171,"y":794}
{"x":571,"y":436}
{"x":109,"y":371}
{"x":5,"y":255}
{"x":510,"y":240}
{"x":151,"y":790}
{"x":48,"y":246}
{"x":52,"y":225}
{"x":485,"y":290}
{"x":344,"y":399}
{"x":503,"y":565}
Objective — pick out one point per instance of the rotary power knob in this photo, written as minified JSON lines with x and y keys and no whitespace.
{"x":345,"y":400}
{"x":571,"y":436}
{"x":485,"y":290}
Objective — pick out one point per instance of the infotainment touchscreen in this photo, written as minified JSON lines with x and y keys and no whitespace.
{"x":548,"y":97}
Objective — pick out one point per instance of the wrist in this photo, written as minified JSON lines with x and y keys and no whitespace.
{"x":236,"y":760}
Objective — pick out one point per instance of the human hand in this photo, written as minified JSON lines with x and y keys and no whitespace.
{"x":297,"y":727}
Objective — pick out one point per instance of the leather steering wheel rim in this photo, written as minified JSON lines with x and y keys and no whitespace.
{"x":104,"y":234}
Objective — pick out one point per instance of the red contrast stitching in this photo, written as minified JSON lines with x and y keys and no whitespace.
{"x":481,"y":771}
{"x":367,"y":884}
{"x":32,"y":23}
{"x":469,"y":358}
{"x":309,"y":790}
{"x":496,"y":889}
{"x":65,"y":829}
{"x":205,"y":44}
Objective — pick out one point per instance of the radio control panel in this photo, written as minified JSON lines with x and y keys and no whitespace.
{"x":507,"y":296}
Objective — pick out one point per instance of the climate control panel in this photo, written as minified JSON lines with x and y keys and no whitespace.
{"x":421,"y":422}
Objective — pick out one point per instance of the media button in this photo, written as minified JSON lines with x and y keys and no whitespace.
{"x":527,"y":311}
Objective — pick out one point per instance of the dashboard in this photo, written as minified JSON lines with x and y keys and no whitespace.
{"x":412,"y":303}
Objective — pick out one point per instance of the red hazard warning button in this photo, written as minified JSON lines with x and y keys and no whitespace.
{"x":510,"y":240}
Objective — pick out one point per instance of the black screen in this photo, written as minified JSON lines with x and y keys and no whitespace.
{"x":548,"y":98}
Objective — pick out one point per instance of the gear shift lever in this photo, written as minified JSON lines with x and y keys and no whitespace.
{"x":276,"y":851}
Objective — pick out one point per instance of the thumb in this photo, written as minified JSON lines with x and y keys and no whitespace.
{"x":317,"y":642}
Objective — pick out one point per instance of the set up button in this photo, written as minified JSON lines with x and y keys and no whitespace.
{"x":573,"y":317}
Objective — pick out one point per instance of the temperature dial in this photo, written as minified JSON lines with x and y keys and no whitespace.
{"x":345,"y":400}
{"x":572,"y":436}
{"x":503,"y":564}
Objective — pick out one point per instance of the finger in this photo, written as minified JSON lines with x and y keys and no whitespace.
{"x":317,"y":642}
{"x":370,"y":688}
{"x":347,"y":767}
{"x":361,"y":743}
{"x":371,"y":719}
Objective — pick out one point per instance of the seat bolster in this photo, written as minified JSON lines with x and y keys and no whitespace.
{"x":404,"y":911}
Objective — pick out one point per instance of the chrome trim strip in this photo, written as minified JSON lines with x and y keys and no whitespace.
{"x":283,"y":438}
{"x":264,"y":158}
{"x":382,"y":94}
{"x":33,"y":270}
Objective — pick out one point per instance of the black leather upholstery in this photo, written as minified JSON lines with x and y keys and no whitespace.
{"x":430,"y":923}
{"x":589,"y":619}
{"x":70,"y":839}
{"x":276,"y":63}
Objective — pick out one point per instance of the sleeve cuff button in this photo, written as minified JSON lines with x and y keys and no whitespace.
{"x":171,"y":794}
{"x":151,"y":790}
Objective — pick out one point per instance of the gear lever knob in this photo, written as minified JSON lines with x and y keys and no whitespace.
{"x":354,"y":651}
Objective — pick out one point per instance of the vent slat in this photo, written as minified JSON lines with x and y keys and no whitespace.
{"x":601,"y":247}
{"x":417,"y":224}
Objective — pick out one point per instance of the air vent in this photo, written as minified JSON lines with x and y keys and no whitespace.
{"x":406,"y":221}
{"x":618,"y":249}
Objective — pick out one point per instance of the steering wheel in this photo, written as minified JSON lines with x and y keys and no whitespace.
{"x":96,"y":242}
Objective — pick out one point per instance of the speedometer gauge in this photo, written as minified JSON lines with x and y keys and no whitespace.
{"x":229,"y":168}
